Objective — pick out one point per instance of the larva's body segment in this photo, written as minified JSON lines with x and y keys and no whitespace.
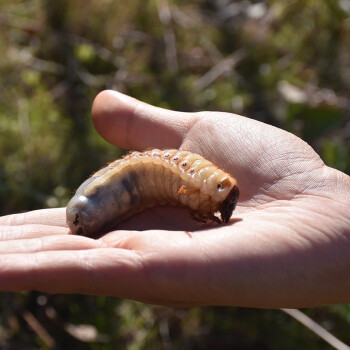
{"x":142,"y":180}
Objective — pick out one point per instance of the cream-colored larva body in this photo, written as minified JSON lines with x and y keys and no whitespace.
{"x":142,"y":180}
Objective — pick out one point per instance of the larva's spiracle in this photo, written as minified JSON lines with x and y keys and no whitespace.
{"x":156,"y":177}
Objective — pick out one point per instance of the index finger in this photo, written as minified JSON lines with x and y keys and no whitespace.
{"x":50,"y":217}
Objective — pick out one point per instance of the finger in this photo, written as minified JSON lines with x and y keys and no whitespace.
{"x":53,"y":217}
{"x":176,"y":275}
{"x":132,"y":124}
{"x":100,"y":271}
{"x":104,"y":271}
{"x":30,"y":231}
{"x":48,"y":243}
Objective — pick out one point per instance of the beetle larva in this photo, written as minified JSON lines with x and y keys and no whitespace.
{"x":142,"y":180}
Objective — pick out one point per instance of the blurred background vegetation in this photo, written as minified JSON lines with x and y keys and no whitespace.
{"x":284,"y":63}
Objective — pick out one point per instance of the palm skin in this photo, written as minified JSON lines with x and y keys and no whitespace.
{"x":287,"y":244}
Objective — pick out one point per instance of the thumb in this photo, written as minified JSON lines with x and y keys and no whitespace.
{"x":132,"y":124}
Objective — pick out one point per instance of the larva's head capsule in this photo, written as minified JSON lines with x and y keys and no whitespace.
{"x":228,"y":205}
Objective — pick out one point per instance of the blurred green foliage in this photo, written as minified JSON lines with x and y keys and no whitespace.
{"x":284,"y":63}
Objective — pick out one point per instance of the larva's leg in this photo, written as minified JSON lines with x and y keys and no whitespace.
{"x":214,"y":218}
{"x":204,"y":218}
{"x":188,"y":190}
{"x":199,"y":217}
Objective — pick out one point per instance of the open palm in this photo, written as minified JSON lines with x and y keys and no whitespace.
{"x":287,"y":244}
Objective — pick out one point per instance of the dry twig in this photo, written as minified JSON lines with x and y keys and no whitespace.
{"x":222,"y":67}
{"x":317,"y":329}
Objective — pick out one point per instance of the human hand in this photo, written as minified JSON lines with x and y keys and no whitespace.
{"x":287,"y":245}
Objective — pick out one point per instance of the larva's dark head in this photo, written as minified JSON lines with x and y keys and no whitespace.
{"x":228,"y":205}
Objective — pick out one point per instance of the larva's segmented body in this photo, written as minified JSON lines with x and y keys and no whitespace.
{"x":141,"y":180}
